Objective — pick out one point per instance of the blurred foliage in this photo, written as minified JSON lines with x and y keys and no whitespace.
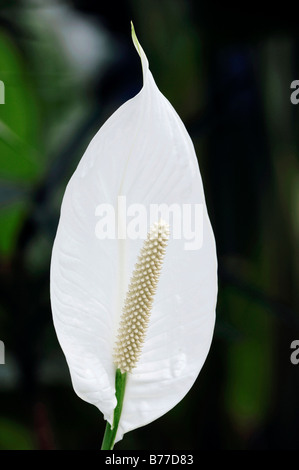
{"x":228,"y":75}
{"x":18,"y":141}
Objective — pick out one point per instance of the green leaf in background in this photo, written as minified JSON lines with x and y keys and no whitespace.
{"x":11,"y":218}
{"x":249,"y":374}
{"x":20,"y":161}
{"x":15,"y":436}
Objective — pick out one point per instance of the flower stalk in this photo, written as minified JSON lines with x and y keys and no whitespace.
{"x":110,"y":431}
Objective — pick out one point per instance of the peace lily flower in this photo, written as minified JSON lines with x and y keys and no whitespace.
{"x":135,"y":318}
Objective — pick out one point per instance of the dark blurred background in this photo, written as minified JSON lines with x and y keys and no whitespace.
{"x":67,"y":66}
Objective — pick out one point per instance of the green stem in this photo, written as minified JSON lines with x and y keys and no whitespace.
{"x":110,"y":432}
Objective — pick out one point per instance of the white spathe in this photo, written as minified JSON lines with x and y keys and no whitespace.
{"x":143,"y":152}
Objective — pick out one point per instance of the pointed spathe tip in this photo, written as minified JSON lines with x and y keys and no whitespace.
{"x":135,"y":40}
{"x":140,"y":51}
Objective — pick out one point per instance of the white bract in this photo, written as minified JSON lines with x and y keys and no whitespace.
{"x":143,"y":152}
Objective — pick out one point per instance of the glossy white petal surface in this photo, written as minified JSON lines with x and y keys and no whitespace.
{"x":142,"y":152}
